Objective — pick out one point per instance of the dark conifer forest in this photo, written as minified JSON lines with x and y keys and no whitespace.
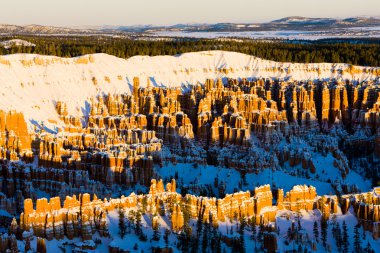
{"x":365,"y":53}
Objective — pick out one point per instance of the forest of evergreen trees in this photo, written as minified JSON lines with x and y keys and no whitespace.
{"x":365,"y":54}
{"x":200,"y":236}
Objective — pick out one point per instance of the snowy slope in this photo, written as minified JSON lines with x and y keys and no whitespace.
{"x":16,"y":43}
{"x":33,"y":83}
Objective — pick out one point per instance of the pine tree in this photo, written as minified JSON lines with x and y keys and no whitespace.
{"x":122,"y":225}
{"x":345,"y":242}
{"x":138,"y":230}
{"x":184,"y":239}
{"x":243,"y":223}
{"x":218,"y":245}
{"x":200,"y":221}
{"x":253,"y":229}
{"x":289,"y":233}
{"x":156,"y":232}
{"x":357,"y":245}
{"x":205,"y":239}
{"x":364,"y":236}
{"x":144,"y":203}
{"x":368,"y":248}
{"x":338,"y":237}
{"x":324,"y":227}
{"x":260,"y":236}
{"x":316,"y":231}
{"x":27,"y":245}
{"x":166,"y":237}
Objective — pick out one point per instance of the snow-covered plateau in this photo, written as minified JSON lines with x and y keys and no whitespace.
{"x":32,"y":84}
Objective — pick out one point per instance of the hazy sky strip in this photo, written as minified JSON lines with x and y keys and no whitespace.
{"x":166,"y":12}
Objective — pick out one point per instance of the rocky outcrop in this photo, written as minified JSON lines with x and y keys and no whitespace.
{"x":301,"y":197}
{"x":15,"y":140}
{"x":50,"y":220}
{"x":82,"y":217}
{"x":367,"y":209}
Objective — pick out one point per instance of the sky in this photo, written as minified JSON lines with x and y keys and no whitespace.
{"x":169,"y":12}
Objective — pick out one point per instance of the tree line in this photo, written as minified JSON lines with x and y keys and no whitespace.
{"x":365,"y":54}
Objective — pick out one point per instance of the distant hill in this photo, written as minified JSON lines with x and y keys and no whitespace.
{"x":287,"y":23}
{"x":6,"y":29}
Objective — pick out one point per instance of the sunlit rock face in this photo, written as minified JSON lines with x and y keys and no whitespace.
{"x":84,"y":216}
{"x":367,"y":209}
{"x":15,"y":140}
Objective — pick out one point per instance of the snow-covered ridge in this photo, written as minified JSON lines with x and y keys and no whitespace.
{"x":33,"y":83}
{"x":16,"y":43}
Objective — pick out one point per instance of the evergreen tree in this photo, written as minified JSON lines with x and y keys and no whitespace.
{"x":205,"y":239}
{"x":144,"y":203}
{"x":366,"y":53}
{"x":357,"y":245}
{"x":368,"y":248}
{"x":243,"y":223}
{"x":254,"y":230}
{"x":316,"y":231}
{"x":260,"y":236}
{"x":345,"y":242}
{"x":122,"y":225}
{"x":166,"y":237}
{"x":156,"y":232}
{"x":138,"y":229}
{"x":324,"y":227}
{"x":185,"y":239}
{"x":299,"y":250}
{"x":338,"y":237}
{"x":200,"y":221}
{"x":289,"y":233}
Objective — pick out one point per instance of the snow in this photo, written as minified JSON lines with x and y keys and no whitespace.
{"x":4,"y":213}
{"x":285,"y":219}
{"x":130,"y":239}
{"x":205,"y":175}
{"x":16,"y":43}
{"x":33,"y":83}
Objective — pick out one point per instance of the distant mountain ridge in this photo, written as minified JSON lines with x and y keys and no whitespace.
{"x":7,"y":29}
{"x":287,"y":23}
